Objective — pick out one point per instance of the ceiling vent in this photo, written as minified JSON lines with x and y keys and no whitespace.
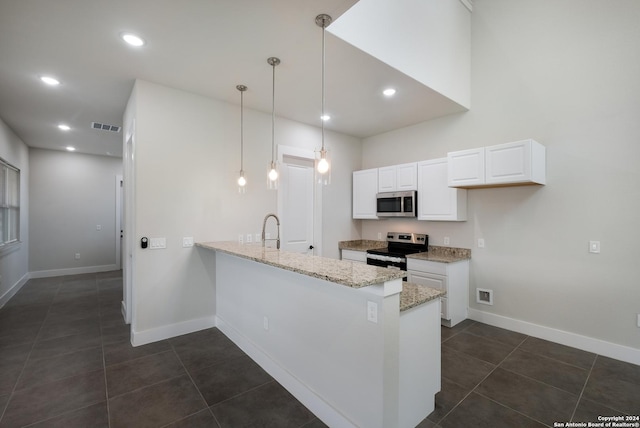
{"x":105,"y":127}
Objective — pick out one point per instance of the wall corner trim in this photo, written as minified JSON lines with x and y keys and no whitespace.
{"x":585,"y":343}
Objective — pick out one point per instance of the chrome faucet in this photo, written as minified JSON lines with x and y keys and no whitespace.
{"x":264,"y":224}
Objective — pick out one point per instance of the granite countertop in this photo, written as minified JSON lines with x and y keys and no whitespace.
{"x":350,"y":274}
{"x":442,"y":254}
{"x":413,"y":295}
{"x":435,"y":253}
{"x":361,"y":245}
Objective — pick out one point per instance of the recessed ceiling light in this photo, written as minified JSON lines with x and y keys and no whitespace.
{"x":132,"y":39}
{"x":389,"y":92}
{"x":71,"y":148}
{"x":50,"y":80}
{"x":64,"y":127}
{"x":325,"y":117}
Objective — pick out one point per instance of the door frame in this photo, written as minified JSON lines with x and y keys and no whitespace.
{"x":317,"y":192}
{"x":118,"y":235}
{"x":129,"y":228}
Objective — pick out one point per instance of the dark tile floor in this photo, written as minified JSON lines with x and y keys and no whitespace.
{"x":66,"y":361}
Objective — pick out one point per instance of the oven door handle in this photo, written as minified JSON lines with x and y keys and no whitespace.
{"x":385,"y":258}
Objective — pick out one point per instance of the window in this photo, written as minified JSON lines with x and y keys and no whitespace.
{"x":9,"y":204}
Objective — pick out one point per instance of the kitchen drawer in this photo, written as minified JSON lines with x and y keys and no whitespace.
{"x":427,"y":266}
{"x":355,"y":256}
{"x":444,"y":308}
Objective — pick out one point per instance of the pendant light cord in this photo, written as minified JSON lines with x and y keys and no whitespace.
{"x":241,"y":130}
{"x":273,"y":111}
{"x":323,"y":61}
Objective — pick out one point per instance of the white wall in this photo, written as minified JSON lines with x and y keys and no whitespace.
{"x":71,"y":194}
{"x":14,"y":262}
{"x":565,"y":74}
{"x":187,"y":159}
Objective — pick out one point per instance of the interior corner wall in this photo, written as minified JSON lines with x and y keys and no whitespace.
{"x":71,"y":194}
{"x":187,"y":159}
{"x":14,"y":263}
{"x":565,"y":74}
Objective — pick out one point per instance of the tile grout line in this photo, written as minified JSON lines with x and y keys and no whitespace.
{"x":483,"y":379}
{"x":195,"y":385}
{"x":13,"y":390}
{"x":104,"y":362}
{"x":575,"y":409}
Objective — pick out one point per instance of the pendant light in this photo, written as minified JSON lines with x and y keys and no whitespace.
{"x":273,"y":167}
{"x":241,"y":180}
{"x":322,"y":156}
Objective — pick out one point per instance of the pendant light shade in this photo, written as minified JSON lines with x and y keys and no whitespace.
{"x":323,"y":165}
{"x":242,"y":181}
{"x":272,"y":176}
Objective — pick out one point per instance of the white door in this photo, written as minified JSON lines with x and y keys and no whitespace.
{"x":296,"y":204}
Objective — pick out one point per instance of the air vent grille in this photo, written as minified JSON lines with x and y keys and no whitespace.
{"x":105,"y":127}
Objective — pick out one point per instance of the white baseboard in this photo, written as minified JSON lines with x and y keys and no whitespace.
{"x":14,"y":289}
{"x":172,"y":330}
{"x":589,"y":344}
{"x":72,"y":271}
{"x":325,"y":412}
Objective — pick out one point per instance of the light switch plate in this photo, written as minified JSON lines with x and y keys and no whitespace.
{"x":594,"y":247}
{"x":249,"y":238}
{"x":446,"y":240}
{"x":480,"y":243}
{"x":158,"y":243}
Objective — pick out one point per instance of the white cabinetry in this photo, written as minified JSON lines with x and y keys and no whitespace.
{"x":466,"y":168}
{"x":436,"y":200}
{"x":397,"y":178}
{"x":514,"y":163}
{"x":354,"y":256}
{"x":365,"y":187}
{"x":510,"y":164}
{"x":451,"y":277}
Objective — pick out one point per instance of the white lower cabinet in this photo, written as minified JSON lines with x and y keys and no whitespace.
{"x":451,"y":277}
{"x":354,"y":256}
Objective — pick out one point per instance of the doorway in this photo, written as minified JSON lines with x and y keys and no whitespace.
{"x":299,"y":201}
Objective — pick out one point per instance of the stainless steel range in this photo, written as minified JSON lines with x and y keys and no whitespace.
{"x":398,"y":246}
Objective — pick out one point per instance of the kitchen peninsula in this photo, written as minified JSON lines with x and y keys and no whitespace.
{"x":332,"y":332}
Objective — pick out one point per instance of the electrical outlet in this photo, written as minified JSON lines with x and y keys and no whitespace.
{"x":77,"y":256}
{"x":98,"y":227}
{"x":265,"y":323}
{"x":480,"y":243}
{"x":249,"y":238}
{"x":372,"y":311}
{"x":240,"y":239}
{"x":187,"y":242}
{"x":379,"y":236}
{"x":257,"y":237}
{"x":446,"y":240}
{"x":594,"y":247}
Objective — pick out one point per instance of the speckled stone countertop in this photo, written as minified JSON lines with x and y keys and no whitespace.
{"x":342,"y":272}
{"x":442,"y":254}
{"x":435,"y":253}
{"x":415,"y":294}
{"x":361,"y":245}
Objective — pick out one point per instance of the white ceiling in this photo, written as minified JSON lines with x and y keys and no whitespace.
{"x":201,"y":46}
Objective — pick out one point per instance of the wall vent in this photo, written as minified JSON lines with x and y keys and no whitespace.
{"x":484,"y":296}
{"x":105,"y":127}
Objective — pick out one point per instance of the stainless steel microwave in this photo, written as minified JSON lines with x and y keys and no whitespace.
{"x":397,"y":204}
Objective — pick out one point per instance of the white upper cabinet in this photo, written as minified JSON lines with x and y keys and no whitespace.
{"x":397,"y":178}
{"x":436,"y":200}
{"x":365,"y":187}
{"x":466,"y":168}
{"x":510,"y":164}
{"x":515,"y":163}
